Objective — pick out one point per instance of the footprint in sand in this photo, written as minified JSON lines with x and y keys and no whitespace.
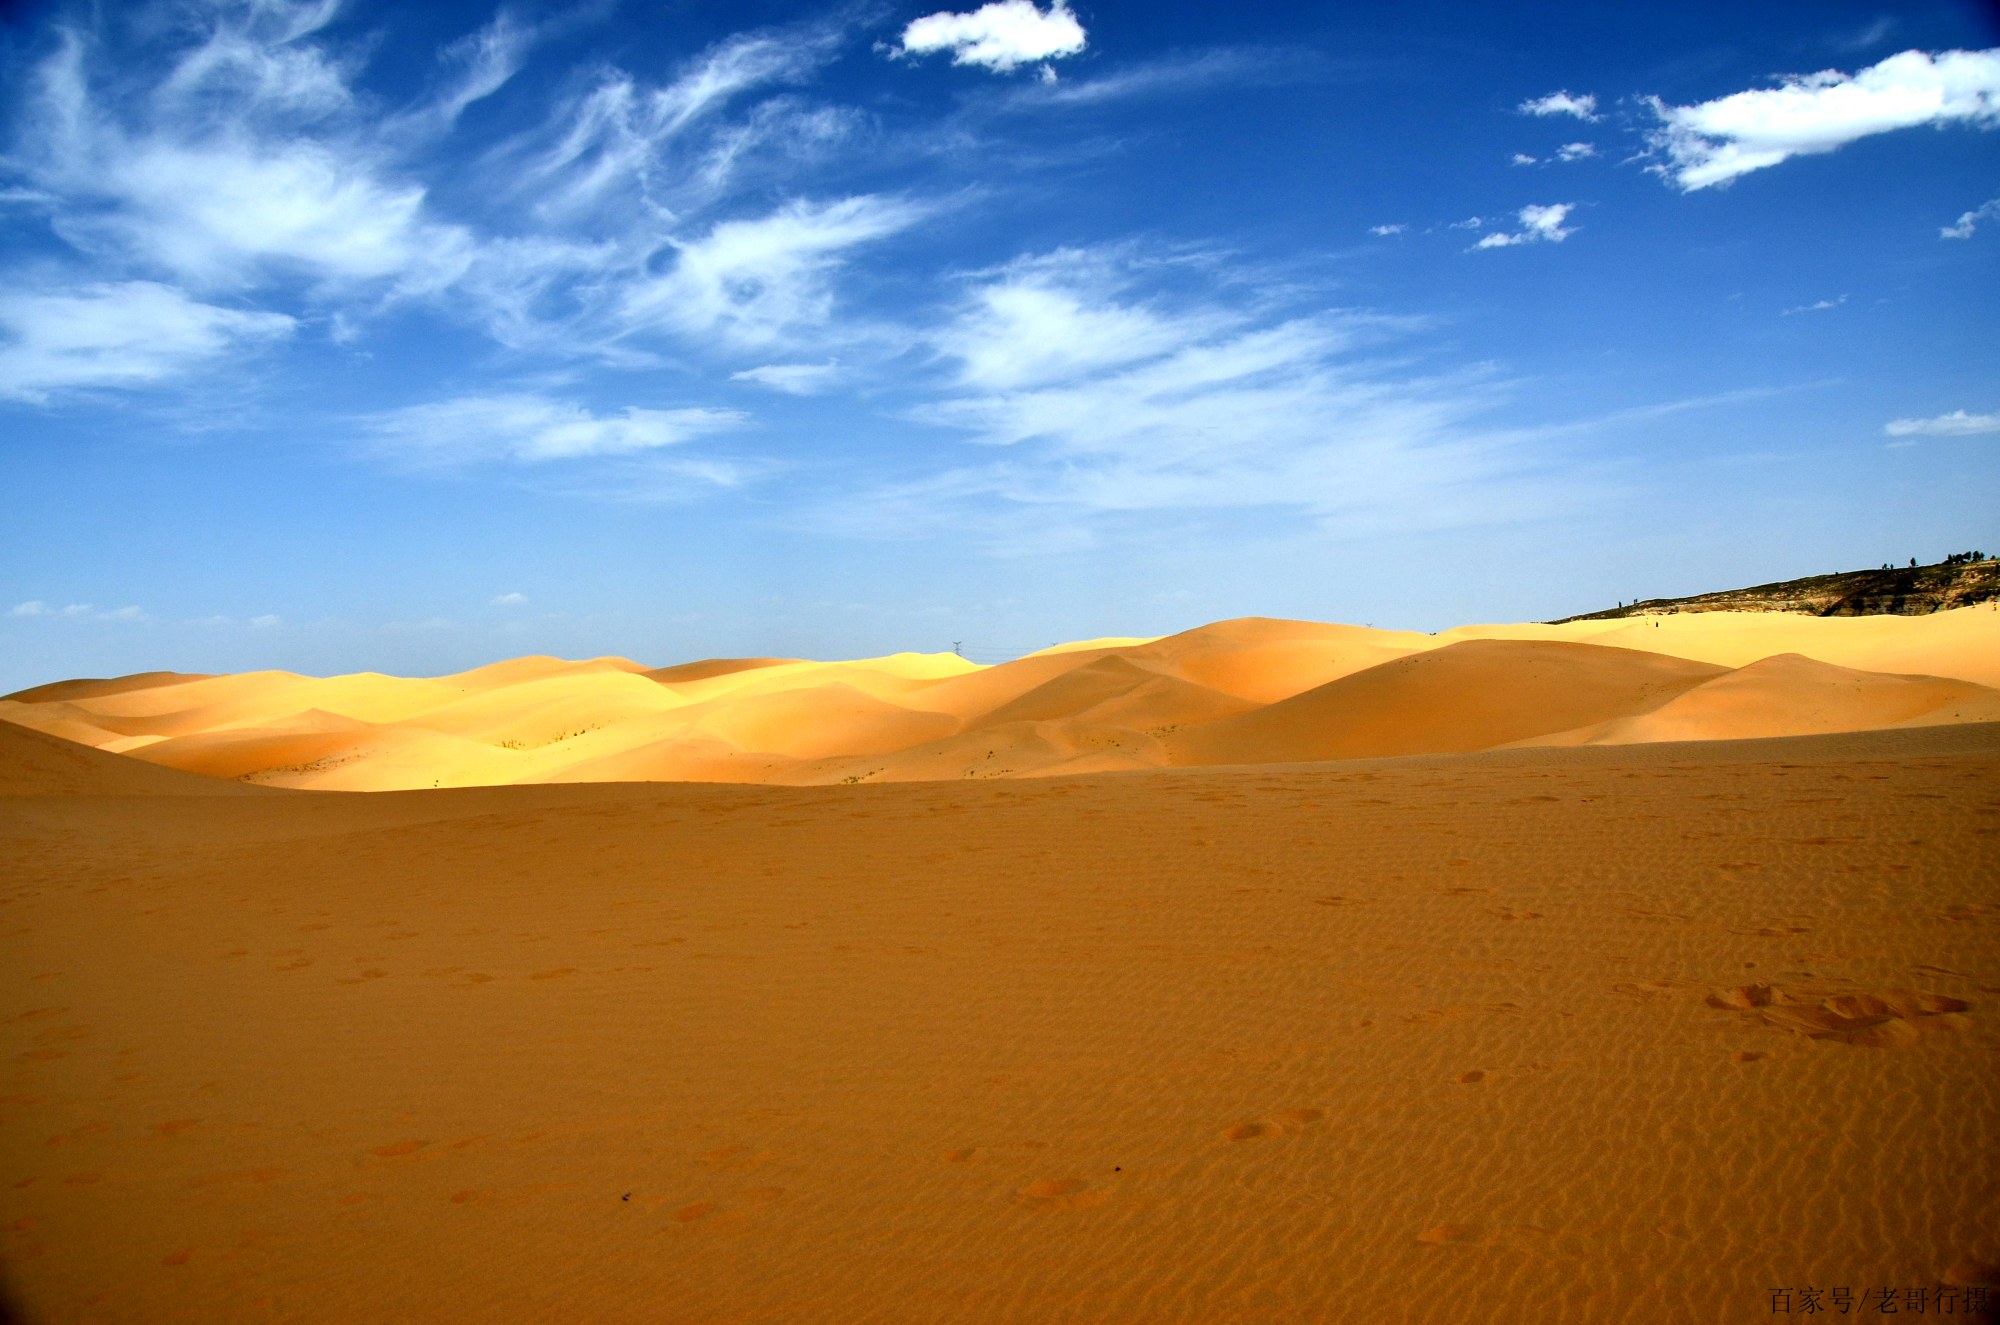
{"x":736,"y":1159}
{"x":1059,"y":1194}
{"x":1449,"y":1233}
{"x":744,"y":1204}
{"x":1888,"y":1020}
{"x":1278,"y":1124}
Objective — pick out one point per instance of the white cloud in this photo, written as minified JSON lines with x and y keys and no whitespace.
{"x":243,"y":157}
{"x":1818,"y":306}
{"x":1539,"y":225}
{"x":629,"y":152}
{"x":1958,"y":423}
{"x":234,"y":167}
{"x":79,"y":612}
{"x":1106,"y":394}
{"x":1385,"y":230}
{"x":1523,"y":159}
{"x":754,"y":282}
{"x":1262,"y":66}
{"x":1969,"y":221}
{"x":488,"y":59}
{"x":223,"y":214}
{"x":1584,"y":107}
{"x":794,"y":379}
{"x":266,"y":621}
{"x":1469,"y":223}
{"x":1716,"y":141}
{"x":116,"y":335}
{"x":256,"y":54}
{"x":1576,"y":151}
{"x":1000,"y":36}
{"x":532,"y":429}
{"x":1056,"y":318}
{"x":1874,"y":34}
{"x":509,"y":599}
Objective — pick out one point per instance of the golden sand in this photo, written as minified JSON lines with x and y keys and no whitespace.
{"x":1236,"y":692}
{"x":1611,"y":1026}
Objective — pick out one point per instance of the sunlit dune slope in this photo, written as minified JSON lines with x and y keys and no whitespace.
{"x":1789,"y":696}
{"x":1248,"y":691}
{"x":1472,"y":695}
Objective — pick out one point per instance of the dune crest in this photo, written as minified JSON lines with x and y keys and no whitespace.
{"x":1253,"y":690}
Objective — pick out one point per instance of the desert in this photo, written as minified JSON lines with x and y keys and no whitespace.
{"x":1271,"y":971}
{"x":999,"y":662}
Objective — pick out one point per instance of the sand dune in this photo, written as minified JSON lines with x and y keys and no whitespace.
{"x":1788,"y":695}
{"x":1267,"y":972}
{"x":35,"y":764}
{"x":1248,"y":691}
{"x":1471,"y":695}
{"x":1593,"y":1034}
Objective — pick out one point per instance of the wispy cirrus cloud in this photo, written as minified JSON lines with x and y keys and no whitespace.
{"x":793,"y":379}
{"x":627,"y":152}
{"x":117,"y":334}
{"x":241,"y":164}
{"x":528,"y":428}
{"x":754,"y":282}
{"x":1173,"y":75}
{"x":483,"y":62}
{"x":249,"y":166}
{"x":1717,"y":141}
{"x":1104,"y":386}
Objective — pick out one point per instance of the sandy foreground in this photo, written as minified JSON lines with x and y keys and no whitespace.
{"x":1607,"y":1028}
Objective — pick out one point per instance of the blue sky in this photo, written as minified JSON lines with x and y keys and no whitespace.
{"x":338,"y":336}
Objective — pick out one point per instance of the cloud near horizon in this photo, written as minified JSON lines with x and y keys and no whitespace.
{"x":34,"y":607}
{"x":1717,"y":141}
